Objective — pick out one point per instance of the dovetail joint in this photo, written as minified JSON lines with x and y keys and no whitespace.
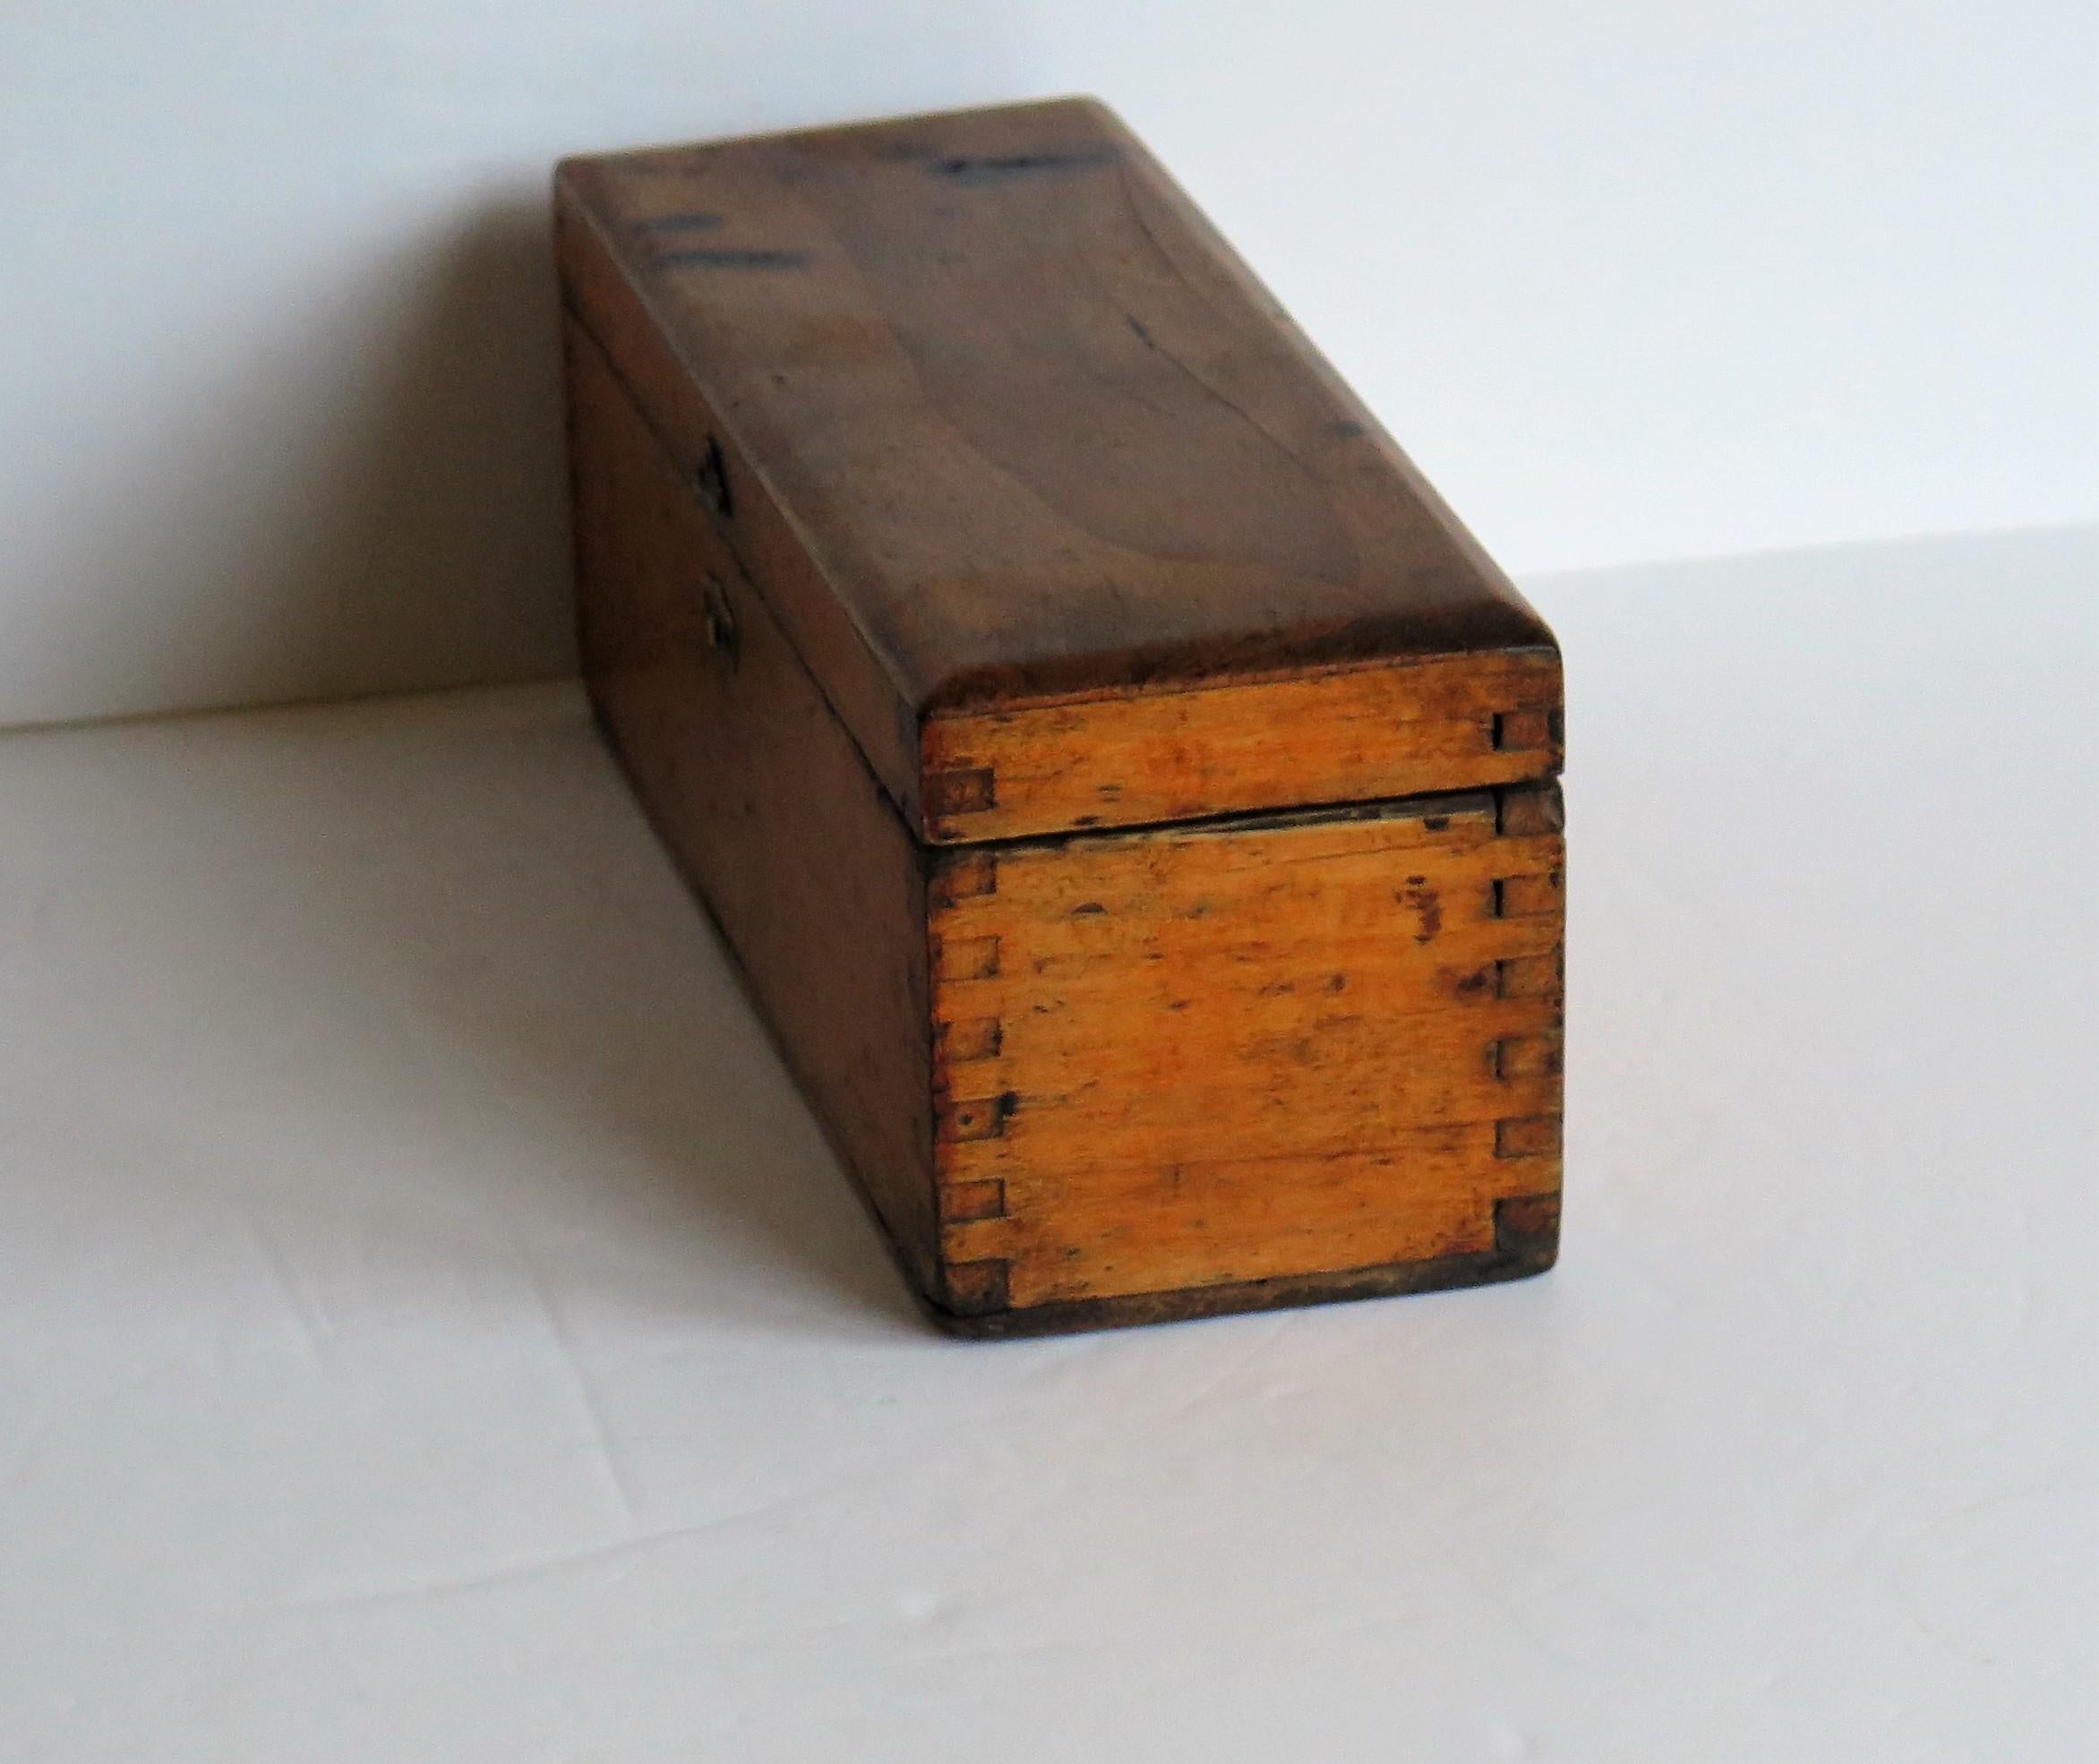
{"x":1526,"y":1223}
{"x":1529,"y":809}
{"x":1525,"y":730}
{"x":968,"y":877}
{"x":1526,"y":1137}
{"x":972,"y":1039}
{"x":1526,"y":1057}
{"x":1529,"y":976}
{"x":962,"y":793}
{"x":1526,"y":896}
{"x":978,"y":1289}
{"x":965,"y":1202}
{"x":965,"y":958}
{"x":977,"y":1117}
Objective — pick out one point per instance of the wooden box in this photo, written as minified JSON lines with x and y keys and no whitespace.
{"x":1125,"y":789}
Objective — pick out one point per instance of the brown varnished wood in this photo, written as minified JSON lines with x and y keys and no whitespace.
{"x":615,"y":311}
{"x":763,"y":799}
{"x":1246,"y":1051}
{"x":1123,"y":786}
{"x":1005,"y":426}
{"x":1350,"y":734}
{"x":1526,"y":1242}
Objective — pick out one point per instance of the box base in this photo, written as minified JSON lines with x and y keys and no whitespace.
{"x":1527,"y":1242}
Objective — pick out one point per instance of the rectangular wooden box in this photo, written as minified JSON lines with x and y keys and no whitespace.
{"x":1127,"y":789}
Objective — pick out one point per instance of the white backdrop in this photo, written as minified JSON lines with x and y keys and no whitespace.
{"x":277,"y":401}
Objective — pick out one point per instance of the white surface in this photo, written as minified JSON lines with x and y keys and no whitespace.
{"x":1632,"y":280}
{"x":430,"y":1329}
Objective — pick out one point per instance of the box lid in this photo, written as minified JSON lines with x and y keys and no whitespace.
{"x":1070,"y":522}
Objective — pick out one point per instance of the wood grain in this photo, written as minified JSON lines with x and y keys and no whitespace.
{"x":1248,"y":1050}
{"x":761,"y":798}
{"x":1123,"y":784}
{"x":1354,"y":734}
{"x":999,"y":420}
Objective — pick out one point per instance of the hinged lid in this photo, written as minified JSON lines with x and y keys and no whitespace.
{"x":1072,"y":525}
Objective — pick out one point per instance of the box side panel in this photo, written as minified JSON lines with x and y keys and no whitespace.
{"x":1256,"y":1062}
{"x":1363,"y":733}
{"x":708,"y":450}
{"x":761,"y":797}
